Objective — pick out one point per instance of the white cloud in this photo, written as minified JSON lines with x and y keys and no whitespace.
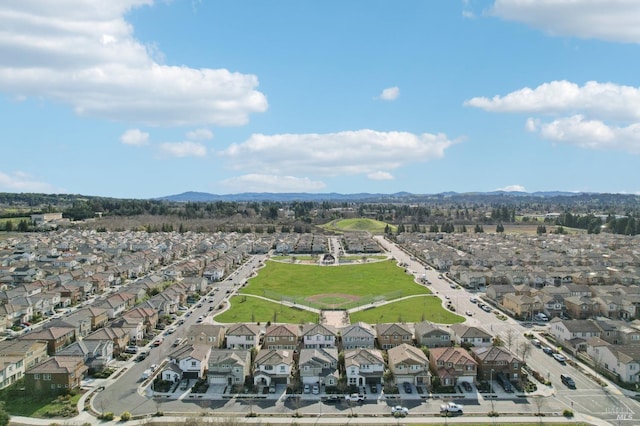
{"x":272,"y":183}
{"x":23,"y":182}
{"x":83,"y":53}
{"x":390,"y":93}
{"x":334,"y":154}
{"x":593,"y":99}
{"x":135,"y":137}
{"x":512,"y":188}
{"x":611,"y":20}
{"x":586,"y":110}
{"x":183,"y":149}
{"x":379,"y":175}
{"x":200,"y":135}
{"x":591,"y":134}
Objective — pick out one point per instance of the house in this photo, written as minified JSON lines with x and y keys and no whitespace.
{"x":452,"y":365}
{"x":229,"y":366}
{"x":522,"y":306}
{"x":273,"y":366}
{"x":171,"y":373}
{"x":11,"y":370}
{"x":33,"y":352}
{"x":431,"y":335}
{"x":623,"y":361}
{"x":364,"y":366}
{"x":56,"y":337}
{"x":148,"y":316}
{"x":243,"y":336}
{"x":192,"y":359}
{"x":392,"y":335}
{"x":358,"y":335}
{"x":319,"y":366}
{"x":409,"y":364}
{"x":206,"y":334}
{"x":318,"y":336}
{"x":573,"y":334}
{"x":581,"y":307}
{"x":281,"y":336}
{"x":470,"y":335}
{"x":498,"y":359}
{"x":497,"y":292}
{"x":119,"y":336}
{"x":134,"y":326}
{"x":58,"y":374}
{"x":97,"y":354}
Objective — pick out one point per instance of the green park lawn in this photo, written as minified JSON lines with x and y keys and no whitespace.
{"x":415,"y":309}
{"x":253,"y":309}
{"x":375,"y":278}
{"x":359,"y":224}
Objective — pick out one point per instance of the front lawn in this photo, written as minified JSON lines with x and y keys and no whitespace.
{"x":19,"y":402}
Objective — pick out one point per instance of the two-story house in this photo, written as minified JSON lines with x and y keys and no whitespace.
{"x":452,"y":365}
{"x":500,"y":360}
{"x":273,"y":366}
{"x":431,"y":335}
{"x":318,"y":336}
{"x":206,"y":334}
{"x":573,"y":334}
{"x":364,"y":366}
{"x":392,"y":335}
{"x":243,"y":336}
{"x":319,"y":366}
{"x":56,"y":337}
{"x":192,"y":359}
{"x":229,"y":366}
{"x":409,"y":365}
{"x":55,"y":375}
{"x":358,"y":335}
{"x":468,"y":335}
{"x":281,"y":336}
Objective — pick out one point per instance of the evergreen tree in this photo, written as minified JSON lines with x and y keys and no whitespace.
{"x":499,"y":228}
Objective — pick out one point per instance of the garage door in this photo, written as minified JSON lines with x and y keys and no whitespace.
{"x":217,"y":380}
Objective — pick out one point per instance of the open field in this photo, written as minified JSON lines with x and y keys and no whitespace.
{"x":252,"y":309}
{"x":368,"y":282}
{"x":415,"y":309}
{"x":359,"y":225}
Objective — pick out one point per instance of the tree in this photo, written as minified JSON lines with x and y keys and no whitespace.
{"x":525,"y":348}
{"x":510,"y":337}
{"x":541,"y":230}
{"x":8,"y":225}
{"x":500,"y":228}
{"x":497,"y":341}
{"x":478,"y":229}
{"x":4,"y":416}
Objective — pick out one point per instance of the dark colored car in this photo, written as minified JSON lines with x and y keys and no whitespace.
{"x":568,"y":381}
{"x":407,"y":387}
{"x":547,"y":350}
{"x":467,"y":387}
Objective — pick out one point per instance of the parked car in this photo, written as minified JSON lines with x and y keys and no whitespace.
{"x":307,"y":389}
{"x":547,"y":350}
{"x":451,"y":407}
{"x":142,"y":356}
{"x":355,"y":397}
{"x":272,"y":388}
{"x":473,"y":299}
{"x":131,"y":349}
{"x":177,"y":342}
{"x":407,"y":387}
{"x":504,"y":382}
{"x":469,"y":313}
{"x":315,"y":390}
{"x":467,"y":387}
{"x":158,"y":341}
{"x":536,"y":343}
{"x":399,"y":411}
{"x":560,"y":358}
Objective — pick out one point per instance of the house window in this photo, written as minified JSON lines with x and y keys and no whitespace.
{"x":327,"y":338}
{"x":515,"y":365}
{"x":53,"y":386}
{"x":282,"y":369}
{"x":193,"y":363}
{"x":271,"y":339}
{"x":46,"y":377}
{"x":36,"y":377}
{"x":268,"y":367}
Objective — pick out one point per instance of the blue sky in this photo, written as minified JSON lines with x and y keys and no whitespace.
{"x":144,"y":98}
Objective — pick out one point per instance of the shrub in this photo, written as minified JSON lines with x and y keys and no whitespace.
{"x":493,"y":414}
{"x":567,"y":413}
{"x":106,"y":416}
{"x":125,"y":416}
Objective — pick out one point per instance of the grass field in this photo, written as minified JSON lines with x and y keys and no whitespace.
{"x":252,"y":309}
{"x":426,"y":308}
{"x":361,"y":225}
{"x":376,"y":278}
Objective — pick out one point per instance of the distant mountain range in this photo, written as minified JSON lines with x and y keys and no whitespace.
{"x":359,"y":197}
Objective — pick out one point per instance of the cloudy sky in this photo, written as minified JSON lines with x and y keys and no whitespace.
{"x":144,"y":98}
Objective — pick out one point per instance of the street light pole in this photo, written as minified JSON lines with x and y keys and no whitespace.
{"x":491,"y":389}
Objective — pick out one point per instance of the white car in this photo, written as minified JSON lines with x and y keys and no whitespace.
{"x":559,"y":358}
{"x":399,"y":411}
{"x":315,"y":390}
{"x":451,"y":407}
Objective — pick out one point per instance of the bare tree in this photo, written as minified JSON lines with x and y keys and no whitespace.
{"x":539,"y":402}
{"x":510,"y":336}
{"x":524,"y":350}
